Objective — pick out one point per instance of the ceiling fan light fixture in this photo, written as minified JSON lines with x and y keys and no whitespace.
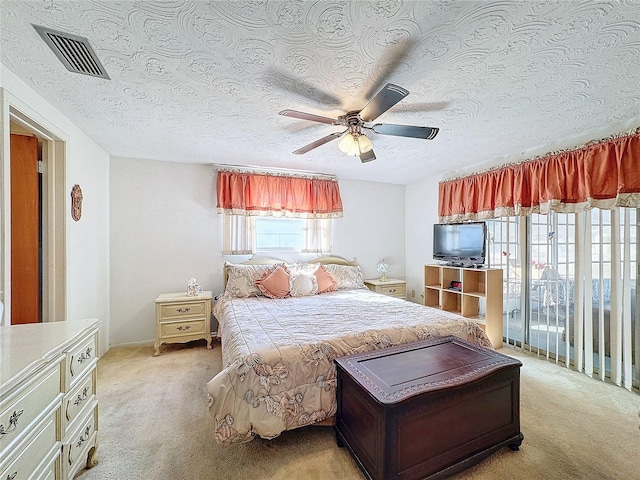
{"x":355,"y":149}
{"x":355,"y":144}
{"x":347,"y":143}
{"x":364,"y":144}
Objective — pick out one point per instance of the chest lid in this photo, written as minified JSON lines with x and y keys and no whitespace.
{"x":394,"y":374}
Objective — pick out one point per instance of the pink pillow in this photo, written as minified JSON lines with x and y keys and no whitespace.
{"x":274,"y":283}
{"x":326,"y":283}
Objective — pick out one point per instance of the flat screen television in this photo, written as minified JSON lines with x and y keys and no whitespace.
{"x":461,"y":244}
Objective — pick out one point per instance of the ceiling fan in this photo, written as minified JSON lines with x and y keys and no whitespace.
{"x":354,"y":141}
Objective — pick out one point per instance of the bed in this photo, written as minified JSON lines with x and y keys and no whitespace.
{"x":278,"y":352}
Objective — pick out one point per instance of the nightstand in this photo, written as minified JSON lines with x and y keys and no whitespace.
{"x":392,"y":287}
{"x":180,"y":318}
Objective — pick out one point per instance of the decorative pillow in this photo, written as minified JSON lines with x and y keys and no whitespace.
{"x":241,"y":279}
{"x":303,"y":283}
{"x":326,"y":283}
{"x":347,"y":277}
{"x":274,"y":283}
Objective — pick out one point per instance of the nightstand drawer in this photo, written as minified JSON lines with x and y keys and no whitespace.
{"x":393,"y":290}
{"x":184,"y":309}
{"x":174,"y":329}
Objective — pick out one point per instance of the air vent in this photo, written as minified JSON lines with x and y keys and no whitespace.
{"x":74,"y":52}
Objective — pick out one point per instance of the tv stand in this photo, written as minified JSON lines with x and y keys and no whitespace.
{"x":478,"y":283}
{"x":464,"y":265}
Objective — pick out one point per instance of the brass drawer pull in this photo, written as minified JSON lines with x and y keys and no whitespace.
{"x":13,"y":423}
{"x":185,"y":327}
{"x":12,"y":476}
{"x":83,"y":438}
{"x":185,"y":310}
{"x":82,"y":398}
{"x":85,"y":355}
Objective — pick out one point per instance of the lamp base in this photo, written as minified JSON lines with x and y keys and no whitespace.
{"x":383,"y":278}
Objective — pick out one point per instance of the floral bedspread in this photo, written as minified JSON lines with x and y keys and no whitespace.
{"x":278,"y":354}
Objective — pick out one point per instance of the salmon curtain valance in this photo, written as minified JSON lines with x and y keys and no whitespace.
{"x":242,"y":193}
{"x":603,"y":175}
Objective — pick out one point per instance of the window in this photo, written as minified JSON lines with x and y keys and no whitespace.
{"x":278,"y":234}
{"x":264,"y":212}
{"x":244,"y":235}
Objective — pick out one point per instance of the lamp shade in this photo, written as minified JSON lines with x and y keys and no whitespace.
{"x":347,"y":143}
{"x":383,"y":268}
{"x":364,"y":143}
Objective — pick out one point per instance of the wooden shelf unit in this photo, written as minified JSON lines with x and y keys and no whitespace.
{"x":477,"y":284}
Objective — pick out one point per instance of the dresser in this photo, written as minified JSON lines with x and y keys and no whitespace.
{"x":180,"y":318}
{"x":391,"y":287}
{"x":48,"y":403}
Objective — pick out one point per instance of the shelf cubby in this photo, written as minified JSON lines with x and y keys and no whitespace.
{"x":479,"y":299}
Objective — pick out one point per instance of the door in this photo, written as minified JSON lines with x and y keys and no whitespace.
{"x":25,"y":231}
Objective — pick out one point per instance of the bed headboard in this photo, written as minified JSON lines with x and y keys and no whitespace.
{"x":334,"y":260}
{"x":329,"y":259}
{"x":252,"y":261}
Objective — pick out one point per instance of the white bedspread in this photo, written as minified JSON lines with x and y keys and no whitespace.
{"x":278,"y":354}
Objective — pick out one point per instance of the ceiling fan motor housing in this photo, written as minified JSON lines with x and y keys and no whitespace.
{"x":352,"y":120}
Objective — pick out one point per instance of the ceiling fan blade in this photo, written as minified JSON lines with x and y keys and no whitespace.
{"x":367,"y":156}
{"x":309,"y":116}
{"x":300,"y":87}
{"x":390,"y":62}
{"x":317,"y":143}
{"x":422,"y":107}
{"x":383,"y":101}
{"x":427,"y":133}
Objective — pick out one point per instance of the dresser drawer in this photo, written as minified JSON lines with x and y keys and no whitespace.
{"x":27,"y":463}
{"x":176,"y":329}
{"x":23,"y":409}
{"x":76,"y":401}
{"x":51,"y":471}
{"x":77,"y":445}
{"x":183,"y":309}
{"x":393,"y":290}
{"x":81,"y":358}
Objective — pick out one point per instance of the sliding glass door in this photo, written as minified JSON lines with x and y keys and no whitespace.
{"x":570,"y":288}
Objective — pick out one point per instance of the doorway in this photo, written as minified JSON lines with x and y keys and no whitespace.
{"x":26,"y":229}
{"x":39,"y":295}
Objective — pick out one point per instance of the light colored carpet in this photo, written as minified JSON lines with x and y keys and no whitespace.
{"x":154,"y":423}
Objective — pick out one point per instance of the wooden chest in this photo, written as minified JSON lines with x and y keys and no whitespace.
{"x":427,"y":409}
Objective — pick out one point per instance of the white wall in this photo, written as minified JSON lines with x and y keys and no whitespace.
{"x":165,"y":230}
{"x":87,"y":241}
{"x":373,"y":226}
{"x":421,"y":211}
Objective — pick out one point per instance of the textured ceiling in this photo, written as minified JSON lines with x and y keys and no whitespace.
{"x":195,"y":81}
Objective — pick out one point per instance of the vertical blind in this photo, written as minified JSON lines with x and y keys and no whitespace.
{"x":570,"y":289}
{"x":594,"y":321}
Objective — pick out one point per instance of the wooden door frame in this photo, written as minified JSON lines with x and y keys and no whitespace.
{"x":54,"y":205}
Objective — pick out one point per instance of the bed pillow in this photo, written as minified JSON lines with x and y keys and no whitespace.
{"x":346,"y":276}
{"x":241,"y":279}
{"x":274,"y":283}
{"x":326,"y":282}
{"x":303,"y":283}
